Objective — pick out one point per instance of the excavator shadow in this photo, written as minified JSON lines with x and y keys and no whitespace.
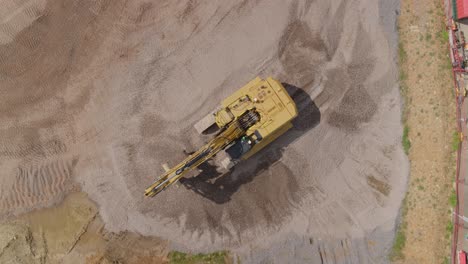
{"x":219,"y":187}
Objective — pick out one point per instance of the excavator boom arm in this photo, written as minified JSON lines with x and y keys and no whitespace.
{"x":234,"y":130}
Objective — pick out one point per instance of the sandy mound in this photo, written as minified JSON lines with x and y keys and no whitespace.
{"x":110,"y":95}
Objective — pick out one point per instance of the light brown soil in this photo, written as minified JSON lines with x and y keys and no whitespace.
{"x":73,"y":233}
{"x":430,"y":117}
{"x":98,"y":95}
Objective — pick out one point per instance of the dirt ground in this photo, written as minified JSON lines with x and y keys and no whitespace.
{"x":96,"y":95}
{"x":430,"y":118}
{"x":73,"y":233}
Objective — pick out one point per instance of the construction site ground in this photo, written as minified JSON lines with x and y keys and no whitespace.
{"x":96,"y":95}
{"x":427,"y":87}
{"x":459,"y":29}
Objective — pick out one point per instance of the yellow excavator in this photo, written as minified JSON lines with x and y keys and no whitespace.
{"x":248,"y":120}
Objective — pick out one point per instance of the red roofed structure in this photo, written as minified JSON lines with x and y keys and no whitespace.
{"x":460,"y":9}
{"x":462,"y":257}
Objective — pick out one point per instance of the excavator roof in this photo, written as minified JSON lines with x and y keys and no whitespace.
{"x":269,"y":98}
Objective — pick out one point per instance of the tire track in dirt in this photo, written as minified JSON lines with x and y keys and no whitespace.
{"x":37,"y":185}
{"x":38,"y":139}
{"x":36,"y":151}
{"x":17,"y":15}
